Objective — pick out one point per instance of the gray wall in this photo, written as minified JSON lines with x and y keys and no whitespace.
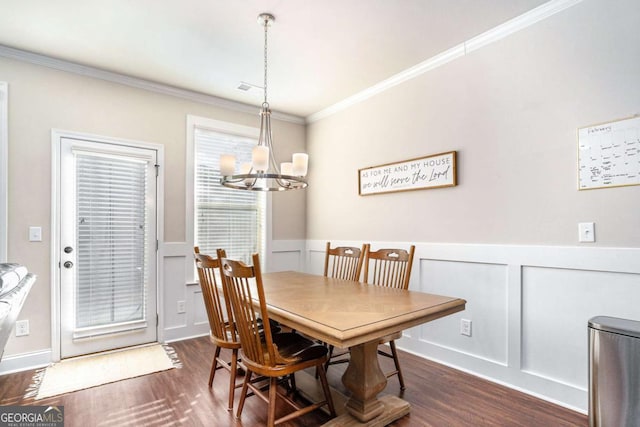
{"x":41,"y":99}
{"x":511,"y":110}
{"x":506,"y":238}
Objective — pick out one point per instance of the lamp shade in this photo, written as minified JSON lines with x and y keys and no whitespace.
{"x":227,"y":164}
{"x":260,"y":158}
{"x":300,"y":164}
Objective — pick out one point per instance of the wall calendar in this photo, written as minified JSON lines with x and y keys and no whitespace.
{"x":609,"y":154}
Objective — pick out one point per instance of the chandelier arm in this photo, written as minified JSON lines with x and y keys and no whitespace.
{"x":262,"y":181}
{"x":263,"y":118}
{"x":269,"y":138}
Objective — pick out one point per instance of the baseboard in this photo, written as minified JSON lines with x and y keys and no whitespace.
{"x":25,"y":361}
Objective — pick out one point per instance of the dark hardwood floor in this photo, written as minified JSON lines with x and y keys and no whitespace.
{"x":439,"y":396}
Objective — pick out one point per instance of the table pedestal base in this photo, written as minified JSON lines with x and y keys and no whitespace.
{"x":394,"y":408}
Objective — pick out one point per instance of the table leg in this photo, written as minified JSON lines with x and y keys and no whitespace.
{"x":365,"y":380}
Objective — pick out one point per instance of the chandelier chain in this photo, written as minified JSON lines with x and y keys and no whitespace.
{"x":266,"y":26}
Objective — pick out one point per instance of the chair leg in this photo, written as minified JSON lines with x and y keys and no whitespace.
{"x":396,"y":361}
{"x":325,"y":387}
{"x":326,"y":365}
{"x":273,"y":384}
{"x":232,"y":374}
{"x":214,"y":364}
{"x":292,"y":382}
{"x":243,"y":393}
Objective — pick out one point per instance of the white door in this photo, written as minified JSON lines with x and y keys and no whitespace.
{"x":107,"y":253}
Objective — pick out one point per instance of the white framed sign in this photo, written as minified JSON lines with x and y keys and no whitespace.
{"x":435,"y":171}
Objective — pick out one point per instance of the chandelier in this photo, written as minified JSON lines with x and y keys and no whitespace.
{"x":263,"y":173}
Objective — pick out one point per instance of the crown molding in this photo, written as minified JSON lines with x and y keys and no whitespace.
{"x":138,"y":83}
{"x":499,"y":32}
{"x":408,"y":74}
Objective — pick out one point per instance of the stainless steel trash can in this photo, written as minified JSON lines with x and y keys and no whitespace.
{"x":614,"y":372}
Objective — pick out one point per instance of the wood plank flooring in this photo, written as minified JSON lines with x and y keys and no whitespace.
{"x":439,"y":397}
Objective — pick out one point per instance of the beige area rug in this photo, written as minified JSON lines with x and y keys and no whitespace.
{"x":90,"y":371}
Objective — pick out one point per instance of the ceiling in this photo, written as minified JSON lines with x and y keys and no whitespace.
{"x":320,"y":51}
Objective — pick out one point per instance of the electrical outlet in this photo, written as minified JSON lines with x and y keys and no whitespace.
{"x":465,"y":327}
{"x":22,"y":328}
{"x":181,"y":307}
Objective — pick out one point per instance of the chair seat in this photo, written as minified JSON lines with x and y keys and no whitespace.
{"x":293,"y":345}
{"x":228,"y":343}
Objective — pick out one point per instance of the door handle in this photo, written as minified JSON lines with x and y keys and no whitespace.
{"x":68,"y":264}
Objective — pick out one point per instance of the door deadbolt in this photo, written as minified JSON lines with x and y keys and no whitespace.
{"x":68,"y":264}
{"x":68,"y":250}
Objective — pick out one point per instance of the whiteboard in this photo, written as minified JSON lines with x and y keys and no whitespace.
{"x":609,"y":154}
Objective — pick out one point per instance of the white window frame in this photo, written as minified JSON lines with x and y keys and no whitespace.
{"x":4,"y":169}
{"x":197,"y":122}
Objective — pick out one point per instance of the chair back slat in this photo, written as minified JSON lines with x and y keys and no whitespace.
{"x":218,"y":312}
{"x":343,"y":262}
{"x":388,"y":267}
{"x":255,"y":336}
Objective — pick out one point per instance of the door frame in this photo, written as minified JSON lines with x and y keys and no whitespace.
{"x":56,"y":136}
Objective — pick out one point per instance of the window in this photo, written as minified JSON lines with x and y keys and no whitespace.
{"x":225,"y":218}
{"x":112,"y":215}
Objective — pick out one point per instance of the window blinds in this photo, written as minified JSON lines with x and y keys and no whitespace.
{"x":225,"y":218}
{"x":111,"y":282}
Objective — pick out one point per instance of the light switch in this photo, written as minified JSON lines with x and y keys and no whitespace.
{"x":35,"y":234}
{"x":586,"y":232}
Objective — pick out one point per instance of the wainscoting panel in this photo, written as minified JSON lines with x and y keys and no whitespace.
{"x":556,"y":307}
{"x":199,"y":310}
{"x":484,"y":286}
{"x":174,"y":291}
{"x":283,"y":261}
{"x":286,"y":255}
{"x":179,"y":285}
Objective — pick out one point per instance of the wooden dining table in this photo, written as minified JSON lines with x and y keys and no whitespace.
{"x":354,"y":315}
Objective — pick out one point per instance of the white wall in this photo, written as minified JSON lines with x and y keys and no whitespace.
{"x":529,"y":307}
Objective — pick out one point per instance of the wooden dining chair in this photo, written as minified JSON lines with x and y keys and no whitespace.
{"x":390,"y":268}
{"x":267,"y":354}
{"x":223,"y":332}
{"x":342,"y":262}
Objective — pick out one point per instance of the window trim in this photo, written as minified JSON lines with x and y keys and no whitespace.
{"x":4,"y":167}
{"x":194,"y":122}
